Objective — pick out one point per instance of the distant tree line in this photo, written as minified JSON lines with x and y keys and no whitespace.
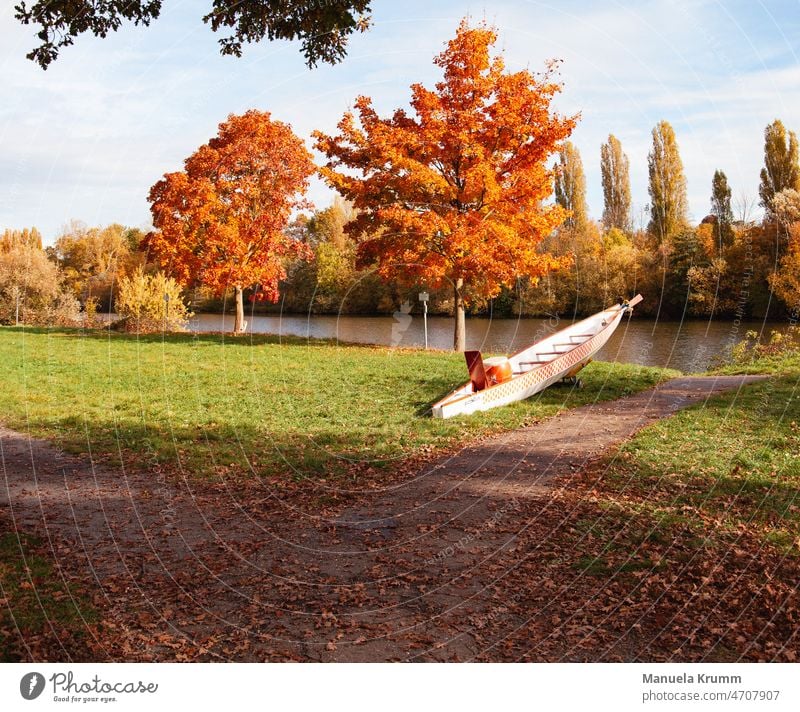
{"x":457,"y":195}
{"x":728,"y":265}
{"x":87,"y":271}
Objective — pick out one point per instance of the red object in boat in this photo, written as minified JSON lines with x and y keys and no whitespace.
{"x":498,"y":370}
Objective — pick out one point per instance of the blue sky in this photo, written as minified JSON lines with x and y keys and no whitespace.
{"x":88,"y":137}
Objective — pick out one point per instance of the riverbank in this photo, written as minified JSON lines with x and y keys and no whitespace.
{"x":690,"y":346}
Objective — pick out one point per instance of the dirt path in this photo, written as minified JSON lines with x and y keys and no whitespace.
{"x":422,"y":570}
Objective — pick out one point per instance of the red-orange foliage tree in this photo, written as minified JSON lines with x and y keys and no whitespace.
{"x":456,"y":191}
{"x":221,"y":221}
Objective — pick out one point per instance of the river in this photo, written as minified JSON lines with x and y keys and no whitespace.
{"x":689,"y":346}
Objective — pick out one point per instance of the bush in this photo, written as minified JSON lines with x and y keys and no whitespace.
{"x":151,"y":302}
{"x":64,"y":310}
{"x":30,"y":290}
{"x":779,"y":344}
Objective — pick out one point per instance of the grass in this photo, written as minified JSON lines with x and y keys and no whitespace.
{"x":217,"y":405}
{"x":787,"y":363}
{"x":39,"y":612}
{"x":689,"y":533}
{"x":716,"y":470}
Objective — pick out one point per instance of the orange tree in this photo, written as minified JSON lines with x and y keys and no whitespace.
{"x":222,"y":221}
{"x":455,"y":191}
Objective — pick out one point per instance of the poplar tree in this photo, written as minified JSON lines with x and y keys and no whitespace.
{"x":614,"y":169}
{"x":570,"y":186}
{"x":721,"y":208}
{"x":668,"y":201}
{"x":781,"y":169}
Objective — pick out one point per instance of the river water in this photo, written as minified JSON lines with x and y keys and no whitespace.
{"x":689,"y":346}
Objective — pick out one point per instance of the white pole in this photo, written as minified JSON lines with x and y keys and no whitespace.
{"x":425,"y":321}
{"x":423,"y":297}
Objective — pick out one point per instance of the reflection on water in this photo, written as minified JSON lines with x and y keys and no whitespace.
{"x":689,"y":346}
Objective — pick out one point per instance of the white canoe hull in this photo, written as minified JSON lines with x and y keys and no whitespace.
{"x":541,"y":365}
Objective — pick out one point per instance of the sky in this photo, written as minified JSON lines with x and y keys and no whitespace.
{"x":87,"y":138}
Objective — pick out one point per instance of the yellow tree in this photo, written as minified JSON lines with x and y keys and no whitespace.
{"x":570,"y":186}
{"x":30,"y":289}
{"x":781,"y":166}
{"x":615,"y":172}
{"x":92,"y":260}
{"x":31,"y":237}
{"x":668,"y":201}
{"x":786,"y":280}
{"x":455,"y":191}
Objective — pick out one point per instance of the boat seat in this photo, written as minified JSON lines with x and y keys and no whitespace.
{"x":477,"y":372}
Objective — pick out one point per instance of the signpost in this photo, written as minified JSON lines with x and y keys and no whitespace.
{"x":423,"y":297}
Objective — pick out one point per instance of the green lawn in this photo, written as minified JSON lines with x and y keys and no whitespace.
{"x":729,"y":466}
{"x":690,"y":532}
{"x":223,"y":405}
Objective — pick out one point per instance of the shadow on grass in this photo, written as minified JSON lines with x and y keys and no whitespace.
{"x":330,"y":448}
{"x":213,"y":338}
{"x":227,"y":450}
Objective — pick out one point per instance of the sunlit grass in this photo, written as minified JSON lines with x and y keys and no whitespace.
{"x":217,"y":404}
{"x":730,"y":465}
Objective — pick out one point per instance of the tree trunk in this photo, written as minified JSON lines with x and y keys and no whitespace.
{"x":238,"y":325}
{"x":460,"y":334}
